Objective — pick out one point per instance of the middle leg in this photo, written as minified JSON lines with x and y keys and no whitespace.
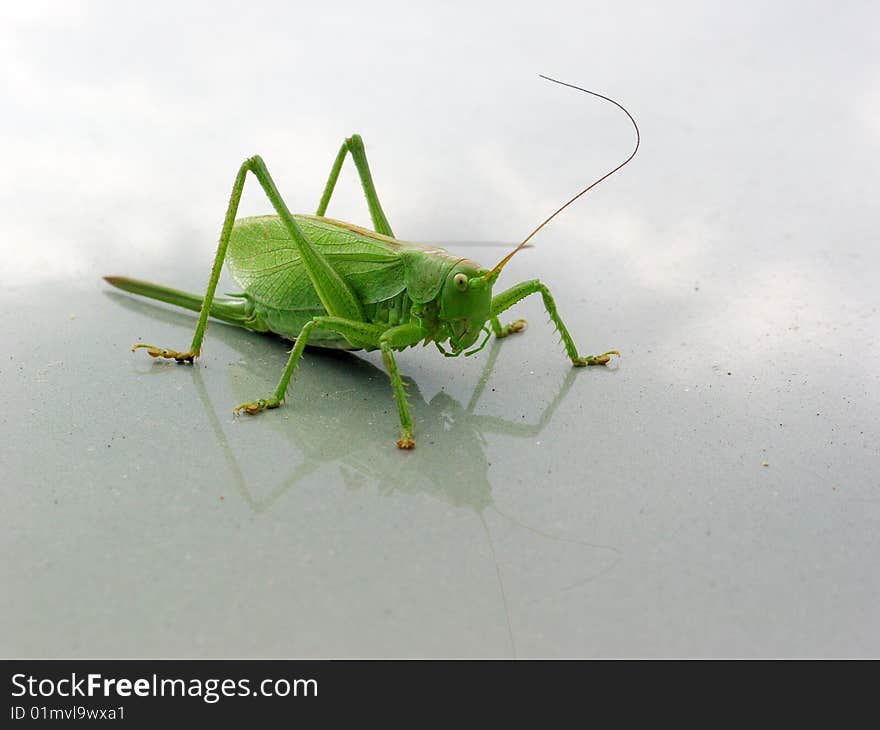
{"x":358,"y":333}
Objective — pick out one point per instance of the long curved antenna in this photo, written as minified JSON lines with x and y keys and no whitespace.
{"x":500,"y":265}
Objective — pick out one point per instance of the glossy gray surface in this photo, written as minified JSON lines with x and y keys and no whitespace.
{"x":713,"y":493}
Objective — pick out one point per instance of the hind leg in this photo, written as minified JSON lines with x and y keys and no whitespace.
{"x":336,"y":295}
{"x":355,"y":145}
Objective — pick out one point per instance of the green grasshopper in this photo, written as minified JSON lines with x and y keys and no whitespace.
{"x":325,"y":283}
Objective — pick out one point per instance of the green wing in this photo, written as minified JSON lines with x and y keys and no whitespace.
{"x":264,"y":261}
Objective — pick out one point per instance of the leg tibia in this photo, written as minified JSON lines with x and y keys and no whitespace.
{"x":406,"y":440}
{"x":508,"y":298}
{"x":355,"y":145}
{"x":202,"y":324}
{"x":398,"y":338}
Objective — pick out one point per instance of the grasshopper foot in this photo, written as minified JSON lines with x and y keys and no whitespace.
{"x":153,"y":351}
{"x":406,"y":442}
{"x":602,"y":359}
{"x":256,"y":406}
{"x":511,"y":329}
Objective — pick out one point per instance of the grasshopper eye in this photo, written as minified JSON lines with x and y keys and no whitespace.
{"x":460,"y":281}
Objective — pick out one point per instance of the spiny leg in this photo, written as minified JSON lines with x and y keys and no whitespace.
{"x":358,"y":333}
{"x":335,"y":294}
{"x":507,"y":299}
{"x":355,"y":145}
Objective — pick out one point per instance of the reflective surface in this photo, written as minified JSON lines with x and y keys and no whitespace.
{"x":714,"y":492}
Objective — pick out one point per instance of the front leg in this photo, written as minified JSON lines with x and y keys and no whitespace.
{"x":506,"y":299}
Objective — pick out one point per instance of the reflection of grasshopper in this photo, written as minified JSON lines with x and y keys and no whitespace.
{"x":330,"y":284}
{"x":455,"y":472}
{"x":460,"y":479}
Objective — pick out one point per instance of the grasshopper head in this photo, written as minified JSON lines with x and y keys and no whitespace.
{"x":465,"y":303}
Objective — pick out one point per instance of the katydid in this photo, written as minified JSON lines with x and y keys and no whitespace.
{"x":326,"y":283}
